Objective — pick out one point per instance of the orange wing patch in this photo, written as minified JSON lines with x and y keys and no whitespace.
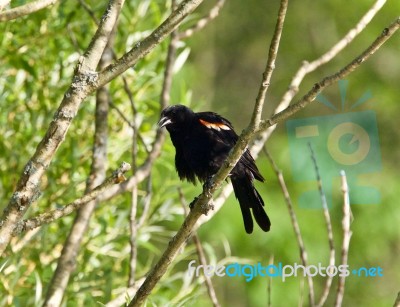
{"x":215,"y":126}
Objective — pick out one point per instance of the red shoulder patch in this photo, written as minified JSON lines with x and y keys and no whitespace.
{"x":215,"y":126}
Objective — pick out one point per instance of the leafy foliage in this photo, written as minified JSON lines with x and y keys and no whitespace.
{"x":37,"y":57}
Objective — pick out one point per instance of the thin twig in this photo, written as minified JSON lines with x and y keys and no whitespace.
{"x":133,"y":230}
{"x":301,"y":292}
{"x":133,"y":125}
{"x":130,"y":124}
{"x":293,"y":219}
{"x":272,"y":55}
{"x":120,"y":300}
{"x":200,"y":254}
{"x":308,"y":67}
{"x":122,"y":115}
{"x":328,"y":223}
{"x":142,"y":172}
{"x":25,"y":9}
{"x":213,"y":13}
{"x":20,"y":244}
{"x":165,"y":96}
{"x":87,"y":8}
{"x":329,"y":80}
{"x":50,"y":216}
{"x":346,"y":238}
{"x":269,"y":284}
{"x":146,"y":202}
{"x":143,"y":47}
{"x":134,"y":200}
{"x":319,"y":179}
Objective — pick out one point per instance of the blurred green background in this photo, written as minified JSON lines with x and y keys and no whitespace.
{"x":222,"y":73}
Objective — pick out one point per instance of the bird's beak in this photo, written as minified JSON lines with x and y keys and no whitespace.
{"x":164,"y":121}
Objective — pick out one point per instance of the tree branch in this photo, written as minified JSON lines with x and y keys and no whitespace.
{"x":212,"y":14}
{"x":346,"y":237}
{"x":146,"y":45}
{"x":85,"y":81}
{"x":67,"y":261}
{"x":329,"y":80}
{"x":27,"y":190}
{"x":295,"y":224}
{"x":120,"y":300}
{"x":201,"y":255}
{"x":273,"y":52}
{"x":50,"y":216}
{"x":308,"y":67}
{"x":201,"y":205}
{"x":25,"y":9}
{"x":292,"y":90}
{"x":328,"y":223}
{"x":164,"y":101}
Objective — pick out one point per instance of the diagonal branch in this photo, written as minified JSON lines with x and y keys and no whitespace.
{"x":308,"y":67}
{"x":257,"y":146}
{"x":146,"y":45}
{"x":295,"y":224}
{"x":50,"y":216}
{"x":25,"y":9}
{"x":85,"y":81}
{"x":66,"y":263}
{"x":164,"y":102}
{"x":340,"y":45}
{"x":329,"y":80}
{"x":201,"y":205}
{"x":27,"y":190}
{"x":273,"y":52}
{"x":329,"y":278}
{"x":201,"y":255}
{"x":212,"y":14}
{"x":346,"y":237}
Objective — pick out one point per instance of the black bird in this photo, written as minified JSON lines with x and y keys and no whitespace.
{"x":202,"y":142}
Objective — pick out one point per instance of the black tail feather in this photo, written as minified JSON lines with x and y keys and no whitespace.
{"x":260,"y":215}
{"x":248,"y":197}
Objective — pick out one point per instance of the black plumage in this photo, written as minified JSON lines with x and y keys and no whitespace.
{"x":202,"y":142}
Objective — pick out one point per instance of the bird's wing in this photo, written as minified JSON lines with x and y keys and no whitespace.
{"x":250,"y":164}
{"x":219,"y":127}
{"x":222,"y":129}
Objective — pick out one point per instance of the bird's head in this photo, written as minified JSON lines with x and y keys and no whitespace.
{"x":173,"y":117}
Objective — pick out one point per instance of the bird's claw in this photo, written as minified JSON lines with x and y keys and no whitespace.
{"x":203,"y":208}
{"x":208,"y":185}
{"x":191,"y":205}
{"x":207,"y":207}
